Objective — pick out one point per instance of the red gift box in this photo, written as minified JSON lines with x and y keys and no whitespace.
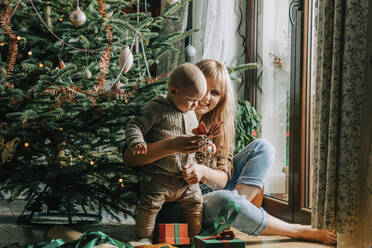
{"x":174,"y":234}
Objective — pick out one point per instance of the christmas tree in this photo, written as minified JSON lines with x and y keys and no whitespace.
{"x":72,"y":74}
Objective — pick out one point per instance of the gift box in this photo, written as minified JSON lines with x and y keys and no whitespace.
{"x":162,"y":245}
{"x":174,"y":234}
{"x":225,"y":239}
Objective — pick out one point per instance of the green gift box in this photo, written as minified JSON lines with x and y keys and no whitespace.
{"x":225,"y":239}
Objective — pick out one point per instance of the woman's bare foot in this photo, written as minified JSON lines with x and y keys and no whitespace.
{"x":276,"y":226}
{"x":309,"y":233}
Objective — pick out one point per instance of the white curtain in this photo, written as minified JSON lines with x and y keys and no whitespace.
{"x":218,"y":23}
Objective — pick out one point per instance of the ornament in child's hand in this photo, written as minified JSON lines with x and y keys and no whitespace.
{"x":214,"y":130}
{"x":78,"y":17}
{"x":126,"y":59}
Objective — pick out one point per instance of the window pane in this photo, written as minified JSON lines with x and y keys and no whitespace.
{"x":273,"y":95}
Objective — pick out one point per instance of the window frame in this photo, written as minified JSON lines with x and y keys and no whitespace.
{"x":295,"y":209}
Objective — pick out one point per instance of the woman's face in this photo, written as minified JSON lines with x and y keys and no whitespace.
{"x":211,"y":99}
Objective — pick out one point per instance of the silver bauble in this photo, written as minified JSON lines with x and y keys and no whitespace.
{"x":78,"y":17}
{"x":87,"y":74}
{"x":126,"y":59}
{"x":189,"y":53}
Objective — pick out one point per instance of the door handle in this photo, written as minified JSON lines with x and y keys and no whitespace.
{"x":292,"y":5}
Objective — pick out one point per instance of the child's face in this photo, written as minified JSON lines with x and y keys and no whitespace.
{"x":186,"y":99}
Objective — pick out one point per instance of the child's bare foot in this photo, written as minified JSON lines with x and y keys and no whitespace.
{"x":323,"y":236}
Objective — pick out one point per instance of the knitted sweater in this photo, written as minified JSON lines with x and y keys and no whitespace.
{"x":160,"y":119}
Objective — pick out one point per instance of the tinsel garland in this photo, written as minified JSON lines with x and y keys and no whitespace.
{"x":106,"y":54}
{"x":13,"y":48}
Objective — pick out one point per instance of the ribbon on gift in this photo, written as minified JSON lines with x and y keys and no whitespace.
{"x":224,"y":236}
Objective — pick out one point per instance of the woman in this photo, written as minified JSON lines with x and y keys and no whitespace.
{"x":237,"y":179}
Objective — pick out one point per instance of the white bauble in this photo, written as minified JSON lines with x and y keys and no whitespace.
{"x":87,"y":74}
{"x":126,"y":59}
{"x":78,"y":17}
{"x":190,"y":52}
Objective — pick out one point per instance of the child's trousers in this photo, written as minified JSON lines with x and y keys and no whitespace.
{"x":161,"y":189}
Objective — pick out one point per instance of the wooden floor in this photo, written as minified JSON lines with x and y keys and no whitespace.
{"x":22,"y":234}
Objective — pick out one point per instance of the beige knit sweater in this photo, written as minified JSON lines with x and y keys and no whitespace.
{"x":160,"y":119}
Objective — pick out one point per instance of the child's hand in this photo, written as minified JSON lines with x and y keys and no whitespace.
{"x":140,"y":148}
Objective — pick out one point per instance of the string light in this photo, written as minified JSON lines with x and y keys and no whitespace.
{"x":57,"y":68}
{"x":26,"y":144}
{"x":80,"y":156}
{"x":121,"y":180}
{"x":19,"y":38}
{"x":91,"y":162}
{"x":2,"y":44}
{"x":29,"y":53}
{"x":41,"y":65}
{"x":122,"y":185}
{"x":61,"y":129}
{"x":64,"y":143}
{"x":60,"y":19}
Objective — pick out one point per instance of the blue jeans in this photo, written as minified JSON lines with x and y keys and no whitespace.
{"x":251,"y":166}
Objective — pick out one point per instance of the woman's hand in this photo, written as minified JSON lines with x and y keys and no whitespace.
{"x":193,"y":173}
{"x":187,"y":144}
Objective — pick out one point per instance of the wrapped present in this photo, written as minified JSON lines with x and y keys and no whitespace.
{"x":162,"y":245}
{"x":174,"y":234}
{"x":225,"y":239}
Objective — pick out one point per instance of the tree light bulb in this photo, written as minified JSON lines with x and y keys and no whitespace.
{"x":91,"y":162}
{"x":80,"y":156}
{"x":64,"y":143}
{"x":57,"y":68}
{"x":61,"y":129}
{"x":29,"y":53}
{"x":122,"y":185}
{"x":2,"y":43}
{"x":60,"y":19}
{"x":121,"y":180}
{"x":19,"y":38}
{"x":41,"y":65}
{"x":26,"y":144}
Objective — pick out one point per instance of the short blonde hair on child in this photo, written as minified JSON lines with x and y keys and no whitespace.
{"x":187,"y":76}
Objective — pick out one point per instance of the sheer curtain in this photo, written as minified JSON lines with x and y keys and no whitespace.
{"x":218,"y":24}
{"x":342,"y":129}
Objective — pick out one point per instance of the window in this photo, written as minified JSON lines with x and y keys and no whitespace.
{"x":280,"y":40}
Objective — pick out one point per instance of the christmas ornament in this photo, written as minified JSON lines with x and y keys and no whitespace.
{"x":190,"y":52}
{"x":61,"y":64}
{"x":118,"y":91}
{"x":87,"y":74}
{"x":78,"y":17}
{"x":125,"y":59}
{"x":214,"y":130}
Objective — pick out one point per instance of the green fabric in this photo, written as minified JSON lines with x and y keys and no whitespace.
{"x":87,"y":240}
{"x":176,"y":234}
{"x":219,"y":225}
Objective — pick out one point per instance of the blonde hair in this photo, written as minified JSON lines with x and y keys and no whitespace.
{"x":225,"y":109}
